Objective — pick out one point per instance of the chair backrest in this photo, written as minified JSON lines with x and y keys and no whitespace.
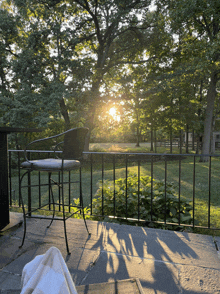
{"x":74,"y":143}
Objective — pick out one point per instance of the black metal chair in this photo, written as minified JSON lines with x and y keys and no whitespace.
{"x":73,"y":146}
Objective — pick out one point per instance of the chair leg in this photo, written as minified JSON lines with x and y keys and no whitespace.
{"x":85,"y":221}
{"x":23,"y":209}
{"x":64,"y":218}
{"x":25,"y":225}
{"x":65,"y":233}
{"x":51,"y":190}
{"x":81,"y":201}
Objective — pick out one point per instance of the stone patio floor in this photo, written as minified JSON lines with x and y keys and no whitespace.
{"x":164,"y":261}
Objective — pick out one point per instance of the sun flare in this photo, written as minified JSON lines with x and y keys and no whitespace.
{"x":113,"y":112}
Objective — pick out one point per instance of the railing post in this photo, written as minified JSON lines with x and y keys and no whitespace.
{"x":165,"y":192}
{"x":29,"y":193}
{"x":114,"y":183}
{"x":9,"y":174}
{"x":39,"y":188}
{"x":60,"y":189}
{"x":69,"y":189}
{"x":102,"y":184}
{"x":194,"y":178}
{"x":49,"y":192}
{"x":209,"y":203}
{"x":29,"y":188}
{"x":91,"y":181}
{"x":80,"y":187}
{"x":138,"y":189}
{"x":126,"y":184}
{"x":179,"y":187}
{"x":19,"y":176}
{"x":151,"y":201}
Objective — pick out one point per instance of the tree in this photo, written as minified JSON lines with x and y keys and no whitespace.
{"x":200,"y":23}
{"x":60,"y":59}
{"x":69,"y":47}
{"x":115,"y":33}
{"x":9,"y":39}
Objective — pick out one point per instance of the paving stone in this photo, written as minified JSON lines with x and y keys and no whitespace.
{"x":79,"y":262}
{"x":131,"y":286}
{"x":9,"y":281}
{"x":199,"y":280}
{"x":183,"y":248}
{"x":16,"y":220}
{"x":155,"y":277}
{"x":217,"y":241}
{"x":10,"y":291}
{"x":76,"y":233}
{"x":16,"y":266}
{"x":9,"y":250}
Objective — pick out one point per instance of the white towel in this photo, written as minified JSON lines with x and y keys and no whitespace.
{"x":47,"y":273}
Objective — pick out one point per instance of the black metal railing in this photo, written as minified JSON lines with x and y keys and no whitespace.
{"x":195,"y":181}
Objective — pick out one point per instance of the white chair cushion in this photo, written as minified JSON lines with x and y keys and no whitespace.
{"x":51,"y":164}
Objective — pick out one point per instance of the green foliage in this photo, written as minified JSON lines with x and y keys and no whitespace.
{"x":46,"y":212}
{"x":71,"y":58}
{"x":64,"y":51}
{"x":76,"y":202}
{"x":169,"y":209}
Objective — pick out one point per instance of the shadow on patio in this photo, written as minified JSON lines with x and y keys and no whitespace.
{"x":163,"y":261}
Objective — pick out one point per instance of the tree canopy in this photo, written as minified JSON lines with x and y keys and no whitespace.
{"x":156,"y":62}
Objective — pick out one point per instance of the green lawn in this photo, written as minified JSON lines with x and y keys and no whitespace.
{"x":186,"y":189}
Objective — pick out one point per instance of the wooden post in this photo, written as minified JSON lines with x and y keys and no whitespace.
{"x":4,"y":199}
{"x":187,"y":139}
{"x":181,"y":141}
{"x":151,"y":139}
{"x":193,"y":140}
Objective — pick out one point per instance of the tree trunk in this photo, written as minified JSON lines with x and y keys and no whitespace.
{"x":65,"y":114}
{"x":208,"y":117}
{"x":181,"y":141}
{"x":197,"y":144}
{"x":213,"y":129}
{"x":193,"y":140}
{"x":151,"y":139}
{"x":171,"y":141}
{"x":187,"y":139}
{"x":199,"y":137}
{"x":94,"y":101}
{"x":138,"y":137}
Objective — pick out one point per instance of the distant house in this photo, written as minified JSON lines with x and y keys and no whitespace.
{"x":190,"y":137}
{"x":215,"y":142}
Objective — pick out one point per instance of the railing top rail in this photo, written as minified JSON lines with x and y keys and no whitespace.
{"x":35,"y":151}
{"x":123,"y":153}
{"x":152,"y":154}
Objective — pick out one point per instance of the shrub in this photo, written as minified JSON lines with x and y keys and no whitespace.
{"x":171,"y":209}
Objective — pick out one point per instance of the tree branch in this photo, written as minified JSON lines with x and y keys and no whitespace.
{"x":94,"y":17}
{"x":107,"y":68}
{"x":9,"y":50}
{"x":207,"y":27}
